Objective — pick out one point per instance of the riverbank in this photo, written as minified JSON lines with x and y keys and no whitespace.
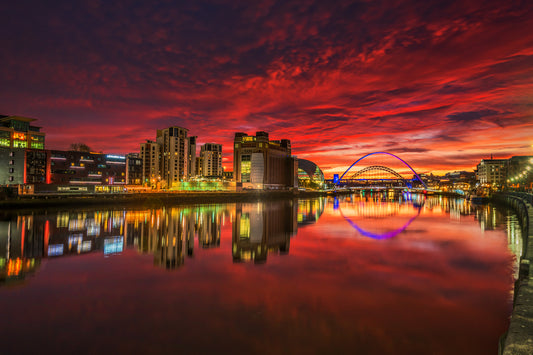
{"x":156,"y":199}
{"x":519,"y":337}
{"x":150,"y":199}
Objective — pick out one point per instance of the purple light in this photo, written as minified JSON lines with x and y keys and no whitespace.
{"x":392,"y":155}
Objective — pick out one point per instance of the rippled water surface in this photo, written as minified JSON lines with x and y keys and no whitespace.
{"x":376,"y":274}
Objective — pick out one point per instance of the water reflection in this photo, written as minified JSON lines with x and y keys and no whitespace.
{"x":263,"y":228}
{"x":495,"y":217}
{"x":379,"y":209}
{"x":169,"y":234}
{"x":257,"y":229}
{"x":319,"y":287}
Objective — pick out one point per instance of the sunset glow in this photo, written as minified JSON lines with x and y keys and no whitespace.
{"x":441,"y":84}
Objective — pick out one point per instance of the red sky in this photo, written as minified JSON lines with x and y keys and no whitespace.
{"x":442,"y":84}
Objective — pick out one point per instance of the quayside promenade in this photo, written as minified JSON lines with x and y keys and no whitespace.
{"x":519,"y":337}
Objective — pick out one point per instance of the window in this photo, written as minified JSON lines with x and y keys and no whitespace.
{"x":11,"y":170}
{"x":11,"y":178}
{"x":246,"y":166}
{"x":12,"y":162}
{"x":11,"y":154}
{"x":20,"y":144}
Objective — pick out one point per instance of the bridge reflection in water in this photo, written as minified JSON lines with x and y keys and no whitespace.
{"x":325,"y":287}
{"x":172,"y":234}
{"x":371,"y":215}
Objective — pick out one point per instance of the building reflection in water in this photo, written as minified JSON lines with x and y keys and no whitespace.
{"x":20,"y":249}
{"x":262,"y":228}
{"x":25,"y":239}
{"x":492,"y":217}
{"x":309,"y":211}
{"x":169,"y":234}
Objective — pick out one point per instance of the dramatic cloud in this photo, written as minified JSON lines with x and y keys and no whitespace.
{"x":437,"y":79}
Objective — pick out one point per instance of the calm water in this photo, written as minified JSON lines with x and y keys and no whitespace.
{"x":376,"y":274}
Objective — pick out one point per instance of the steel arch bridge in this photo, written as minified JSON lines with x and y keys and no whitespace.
{"x":375,"y":170}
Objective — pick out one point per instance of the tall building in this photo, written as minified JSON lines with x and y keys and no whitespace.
{"x":260,"y":163}
{"x":134,"y":169}
{"x":174,"y":146}
{"x":198,"y":168}
{"x":211,"y":154}
{"x":16,"y":132}
{"x":151,"y":163}
{"x":191,"y":161}
{"x":492,"y":172}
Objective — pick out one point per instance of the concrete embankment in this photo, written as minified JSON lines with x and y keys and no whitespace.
{"x":148,"y":199}
{"x":519,"y":337}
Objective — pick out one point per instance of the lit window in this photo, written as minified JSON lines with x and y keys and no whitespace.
{"x":20,"y":144}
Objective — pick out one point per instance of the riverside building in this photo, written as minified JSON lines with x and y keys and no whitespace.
{"x":87,"y":168}
{"x":260,"y":163}
{"x":134,"y":169}
{"x":174,"y":147}
{"x":22,"y":153}
{"x":211,"y":155}
{"x":191,"y":160}
{"x":17,"y":132}
{"x":492,"y":172}
{"x":151,"y":163}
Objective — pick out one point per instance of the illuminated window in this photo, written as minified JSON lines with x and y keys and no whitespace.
{"x":19,"y":136}
{"x":20,"y":144}
{"x":245,"y":226}
{"x":246,"y":166}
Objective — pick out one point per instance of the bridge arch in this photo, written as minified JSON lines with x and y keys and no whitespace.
{"x":386,"y":153}
{"x":380,"y":168}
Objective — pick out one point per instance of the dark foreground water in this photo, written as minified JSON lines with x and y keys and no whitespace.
{"x":374,"y":274}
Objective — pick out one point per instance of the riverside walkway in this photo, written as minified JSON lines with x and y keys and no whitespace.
{"x":519,"y":337}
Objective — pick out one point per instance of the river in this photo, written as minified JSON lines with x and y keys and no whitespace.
{"x":366,"y":273}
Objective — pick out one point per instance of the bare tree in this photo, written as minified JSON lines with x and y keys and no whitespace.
{"x":80,"y":147}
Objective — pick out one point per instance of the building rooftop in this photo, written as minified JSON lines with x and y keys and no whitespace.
{"x":4,"y":118}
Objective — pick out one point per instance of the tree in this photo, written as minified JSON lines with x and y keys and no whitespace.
{"x":80,"y":147}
